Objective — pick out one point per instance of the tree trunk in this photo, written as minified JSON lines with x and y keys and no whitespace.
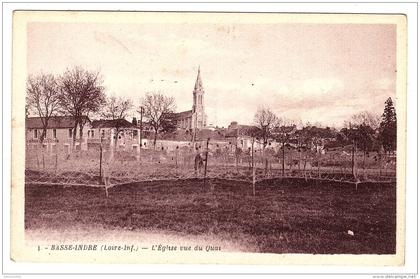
{"x":154,"y":139}
{"x":74,"y":136}
{"x":80,"y":132}
{"x":44,"y":131}
{"x":116,"y":139}
{"x":80,"y":136}
{"x":43,"y":135}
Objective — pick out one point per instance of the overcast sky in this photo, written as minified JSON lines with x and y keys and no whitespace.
{"x":309,"y":72}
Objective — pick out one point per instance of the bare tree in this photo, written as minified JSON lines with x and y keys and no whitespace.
{"x":265,"y":120}
{"x":157,"y":108}
{"x":81,"y":93}
{"x":281,"y":132}
{"x":255,"y":134}
{"x":117,"y":109}
{"x":366,"y":118}
{"x":42,"y":97}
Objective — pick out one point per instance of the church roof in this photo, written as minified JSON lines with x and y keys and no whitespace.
{"x":198,"y":82}
{"x":183,"y":114}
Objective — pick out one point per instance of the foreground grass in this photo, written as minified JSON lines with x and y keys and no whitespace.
{"x":285,"y":216}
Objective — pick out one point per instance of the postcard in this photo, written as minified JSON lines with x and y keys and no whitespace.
{"x":208,"y":138}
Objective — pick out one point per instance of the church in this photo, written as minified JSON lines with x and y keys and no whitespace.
{"x":195,"y":118}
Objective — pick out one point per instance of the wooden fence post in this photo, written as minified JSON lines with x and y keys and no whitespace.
{"x":253,"y":168}
{"x":56,"y":162}
{"x":205,"y":163}
{"x":353,"y":173}
{"x":283,"y":160}
{"x":176,"y":157}
{"x":100,"y":163}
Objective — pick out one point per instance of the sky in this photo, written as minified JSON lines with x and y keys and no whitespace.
{"x":317,"y":73}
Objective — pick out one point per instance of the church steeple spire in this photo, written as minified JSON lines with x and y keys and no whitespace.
{"x":199,"y":116}
{"x":198,"y":83}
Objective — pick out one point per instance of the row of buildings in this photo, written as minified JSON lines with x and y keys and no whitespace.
{"x":128,"y":137}
{"x":96,"y":133}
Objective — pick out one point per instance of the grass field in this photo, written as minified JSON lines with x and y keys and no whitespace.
{"x":285,"y":216}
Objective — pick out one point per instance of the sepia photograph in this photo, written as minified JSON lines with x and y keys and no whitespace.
{"x":194,"y":137}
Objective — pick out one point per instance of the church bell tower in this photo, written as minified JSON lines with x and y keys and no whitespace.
{"x":198,"y":113}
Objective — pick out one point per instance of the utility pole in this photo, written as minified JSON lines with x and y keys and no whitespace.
{"x":195,"y":129}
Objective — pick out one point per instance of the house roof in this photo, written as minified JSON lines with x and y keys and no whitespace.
{"x":112,"y":123}
{"x":239,"y":130}
{"x":54,"y":122}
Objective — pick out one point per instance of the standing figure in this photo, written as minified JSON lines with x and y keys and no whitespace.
{"x":198,"y":163}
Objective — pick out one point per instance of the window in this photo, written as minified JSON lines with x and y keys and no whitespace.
{"x":35,"y":134}
{"x":92,"y":133}
{"x":103,"y":134}
{"x":70,"y":133}
{"x":134,"y":134}
{"x":54,"y":131}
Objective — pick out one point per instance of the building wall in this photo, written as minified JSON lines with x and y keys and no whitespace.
{"x":166,"y":145}
{"x":62,"y":142}
{"x":185,"y":123}
{"x":128,"y":139}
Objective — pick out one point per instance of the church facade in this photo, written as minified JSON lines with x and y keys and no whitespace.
{"x":196,"y":117}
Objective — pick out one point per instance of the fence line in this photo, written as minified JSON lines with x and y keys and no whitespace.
{"x":104,"y":168}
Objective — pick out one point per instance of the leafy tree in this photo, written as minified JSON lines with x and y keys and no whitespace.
{"x":388,"y":127}
{"x":364,"y":137}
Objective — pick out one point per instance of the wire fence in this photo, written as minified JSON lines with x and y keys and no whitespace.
{"x":107,"y":168}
